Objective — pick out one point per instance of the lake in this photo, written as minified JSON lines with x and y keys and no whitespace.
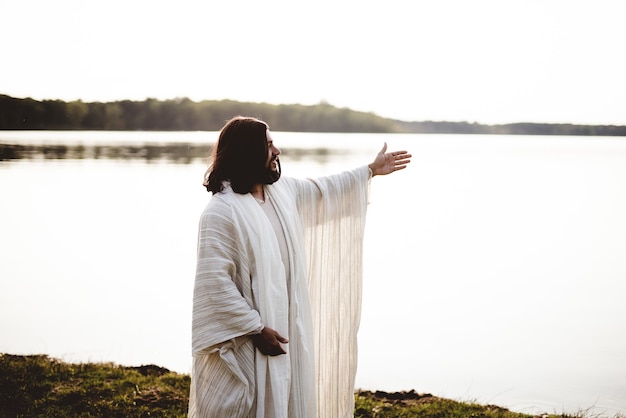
{"x":495,"y":266}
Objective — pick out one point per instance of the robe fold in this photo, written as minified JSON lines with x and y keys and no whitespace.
{"x":241,"y":286}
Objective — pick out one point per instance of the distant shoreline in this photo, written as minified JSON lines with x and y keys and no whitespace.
{"x":210,"y":115}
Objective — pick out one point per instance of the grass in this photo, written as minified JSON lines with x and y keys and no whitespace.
{"x":40,"y":386}
{"x":413,"y":405}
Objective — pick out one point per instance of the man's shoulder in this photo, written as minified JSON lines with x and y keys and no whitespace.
{"x":216,"y":205}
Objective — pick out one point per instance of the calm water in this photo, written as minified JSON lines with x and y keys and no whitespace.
{"x":495,"y":267}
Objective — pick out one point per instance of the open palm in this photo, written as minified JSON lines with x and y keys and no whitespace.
{"x":388,"y":162}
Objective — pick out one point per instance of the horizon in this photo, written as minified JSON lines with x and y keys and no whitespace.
{"x":486,"y":62}
{"x":315,"y":104}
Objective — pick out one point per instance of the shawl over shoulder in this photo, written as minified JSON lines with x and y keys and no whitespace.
{"x":240,"y":286}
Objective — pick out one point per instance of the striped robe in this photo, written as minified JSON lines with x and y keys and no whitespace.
{"x":241,"y":286}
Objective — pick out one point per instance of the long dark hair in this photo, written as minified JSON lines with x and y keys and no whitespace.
{"x":239,"y":156}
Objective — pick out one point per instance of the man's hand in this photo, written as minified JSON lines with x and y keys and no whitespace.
{"x":386,"y":163}
{"x":269,"y":342}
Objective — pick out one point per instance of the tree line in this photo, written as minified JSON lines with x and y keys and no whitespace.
{"x":181,"y":115}
{"x":210,"y":115}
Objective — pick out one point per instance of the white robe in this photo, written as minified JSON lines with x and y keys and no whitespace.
{"x":241,"y":286}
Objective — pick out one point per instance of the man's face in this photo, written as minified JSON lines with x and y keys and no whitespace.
{"x":272,"y":153}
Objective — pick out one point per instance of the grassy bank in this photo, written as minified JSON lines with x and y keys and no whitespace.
{"x":40,"y":386}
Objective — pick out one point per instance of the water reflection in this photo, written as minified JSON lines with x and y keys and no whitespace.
{"x":177,"y":153}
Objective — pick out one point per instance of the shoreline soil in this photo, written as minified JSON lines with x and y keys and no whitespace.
{"x":39,"y":385}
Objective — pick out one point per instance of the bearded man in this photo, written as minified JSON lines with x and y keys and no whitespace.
{"x":277,"y":295}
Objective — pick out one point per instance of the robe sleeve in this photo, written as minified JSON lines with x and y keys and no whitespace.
{"x":328,"y":198}
{"x":222,"y":304}
{"x":332,"y":210}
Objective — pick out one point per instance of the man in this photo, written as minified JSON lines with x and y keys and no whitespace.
{"x":277,"y":294}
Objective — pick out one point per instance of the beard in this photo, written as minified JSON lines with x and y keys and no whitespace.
{"x":270,"y":175}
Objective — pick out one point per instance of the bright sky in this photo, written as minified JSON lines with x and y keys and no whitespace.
{"x":486,"y":61}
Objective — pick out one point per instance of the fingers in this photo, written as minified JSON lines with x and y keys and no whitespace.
{"x":388,"y":162}
{"x":275,"y":348}
{"x":274,"y":351}
{"x":401,"y":157}
{"x":402,"y":160}
{"x":279,"y":351}
{"x":268,"y":342}
{"x":277,"y":336}
{"x":401,"y":154}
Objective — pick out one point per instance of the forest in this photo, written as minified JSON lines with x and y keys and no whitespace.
{"x":183,"y":114}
